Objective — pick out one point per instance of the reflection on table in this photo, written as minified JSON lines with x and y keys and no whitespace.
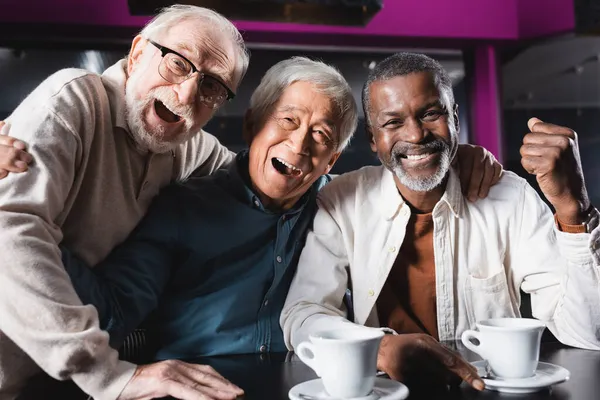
{"x":271,"y":376}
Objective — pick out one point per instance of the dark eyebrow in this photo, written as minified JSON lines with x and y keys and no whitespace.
{"x":435,"y":103}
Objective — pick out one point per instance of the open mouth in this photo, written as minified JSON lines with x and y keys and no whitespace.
{"x":285,"y":168}
{"x":164,"y":113}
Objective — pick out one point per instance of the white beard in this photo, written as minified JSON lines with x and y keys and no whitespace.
{"x":428,"y":183}
{"x":152,"y":138}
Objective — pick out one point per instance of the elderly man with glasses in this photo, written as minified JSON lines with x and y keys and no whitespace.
{"x":103,"y":147}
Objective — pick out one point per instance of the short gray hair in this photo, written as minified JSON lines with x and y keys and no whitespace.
{"x":402,"y":64}
{"x":175,"y":14}
{"x":326,"y":78}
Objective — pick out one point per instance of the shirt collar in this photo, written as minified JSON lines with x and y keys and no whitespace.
{"x":453,"y":195}
{"x":240,"y":178}
{"x":114,"y":78}
{"x":393,"y":201}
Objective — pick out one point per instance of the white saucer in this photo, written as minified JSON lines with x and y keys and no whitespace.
{"x":384,"y":389}
{"x":545,"y":376}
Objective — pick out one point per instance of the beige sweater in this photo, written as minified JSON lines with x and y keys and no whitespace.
{"x":88,"y":188}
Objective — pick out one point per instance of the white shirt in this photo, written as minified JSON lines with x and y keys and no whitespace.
{"x":484,"y":253}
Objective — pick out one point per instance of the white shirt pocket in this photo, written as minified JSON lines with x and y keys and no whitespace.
{"x":488,"y":298}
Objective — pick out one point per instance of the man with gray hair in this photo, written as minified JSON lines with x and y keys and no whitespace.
{"x":103,"y":147}
{"x":424,"y":261}
{"x":214,"y":257}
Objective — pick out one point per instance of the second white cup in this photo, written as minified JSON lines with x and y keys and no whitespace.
{"x":511,"y":346}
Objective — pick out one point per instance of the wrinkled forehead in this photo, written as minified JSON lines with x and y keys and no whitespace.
{"x":308,"y":99}
{"x":208,"y":48}
{"x":403,"y":91}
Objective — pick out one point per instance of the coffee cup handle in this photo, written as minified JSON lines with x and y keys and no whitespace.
{"x":466,"y":340}
{"x":306,"y":353}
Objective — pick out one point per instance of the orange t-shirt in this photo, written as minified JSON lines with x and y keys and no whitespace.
{"x":407,"y":302}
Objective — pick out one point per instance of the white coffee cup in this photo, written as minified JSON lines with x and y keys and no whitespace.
{"x":511,"y":346}
{"x":344,"y":359}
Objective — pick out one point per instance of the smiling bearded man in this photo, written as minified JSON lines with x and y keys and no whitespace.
{"x":422,"y":260}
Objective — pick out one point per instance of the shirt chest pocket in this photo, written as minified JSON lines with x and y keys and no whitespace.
{"x":488,"y":298}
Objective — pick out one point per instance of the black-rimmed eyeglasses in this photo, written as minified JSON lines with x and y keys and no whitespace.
{"x":175,"y":68}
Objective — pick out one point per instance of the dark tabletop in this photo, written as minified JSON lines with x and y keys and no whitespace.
{"x":271,"y":376}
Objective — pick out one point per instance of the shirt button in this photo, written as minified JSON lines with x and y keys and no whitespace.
{"x":392,"y":249}
{"x":266,"y":303}
{"x":279,"y":259}
{"x":256,"y":203}
{"x":371,"y":292}
{"x":263,"y":349}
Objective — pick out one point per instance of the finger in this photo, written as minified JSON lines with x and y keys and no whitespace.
{"x":497,"y":173}
{"x":3,"y":173}
{"x":14,"y":160}
{"x":545,"y":152}
{"x":537,"y":165}
{"x":181,"y":391}
{"x":537,"y":125}
{"x":457,"y":365}
{"x":209,"y":377}
{"x":4,"y":127}
{"x":206,"y":385}
{"x":475,"y":182}
{"x":542,"y":139}
{"x":465,"y":168}
{"x":486,"y":180}
{"x":12,"y":142}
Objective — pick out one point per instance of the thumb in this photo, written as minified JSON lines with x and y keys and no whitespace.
{"x":531,"y":123}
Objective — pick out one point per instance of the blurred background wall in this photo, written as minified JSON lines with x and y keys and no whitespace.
{"x":509,"y":60}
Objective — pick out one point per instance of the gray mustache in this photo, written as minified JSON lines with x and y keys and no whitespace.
{"x":403,"y":148}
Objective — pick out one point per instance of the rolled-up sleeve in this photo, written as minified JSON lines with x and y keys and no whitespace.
{"x":558,"y":270}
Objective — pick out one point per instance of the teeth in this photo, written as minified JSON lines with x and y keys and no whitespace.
{"x":169,"y":108}
{"x":416,"y":156}
{"x":287,"y":164}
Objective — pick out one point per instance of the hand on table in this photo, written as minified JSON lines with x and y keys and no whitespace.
{"x":420,"y":358}
{"x":180,"y":380}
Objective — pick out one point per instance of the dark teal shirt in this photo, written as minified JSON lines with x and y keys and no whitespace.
{"x":209,"y":264}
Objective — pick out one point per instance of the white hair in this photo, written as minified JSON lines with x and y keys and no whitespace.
{"x":326,"y":78}
{"x":168,"y":17}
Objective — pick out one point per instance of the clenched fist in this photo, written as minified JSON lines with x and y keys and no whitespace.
{"x":551,"y":153}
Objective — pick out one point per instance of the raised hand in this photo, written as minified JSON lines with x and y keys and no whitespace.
{"x":551,"y":153}
{"x":180,"y":380}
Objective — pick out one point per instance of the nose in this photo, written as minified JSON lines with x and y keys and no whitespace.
{"x":299,"y":140}
{"x":187,"y":90}
{"x":413,"y":131}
